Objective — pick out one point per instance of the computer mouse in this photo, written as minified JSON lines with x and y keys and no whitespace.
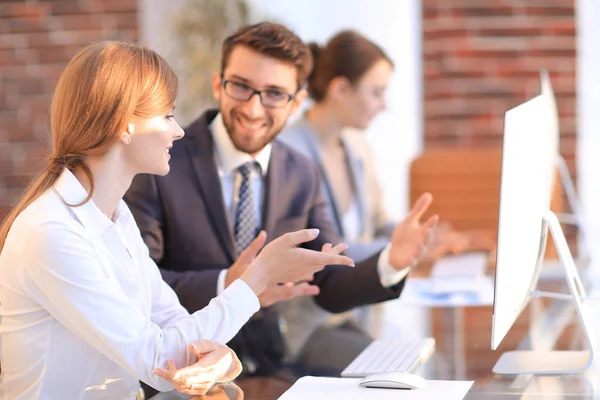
{"x":393,"y":380}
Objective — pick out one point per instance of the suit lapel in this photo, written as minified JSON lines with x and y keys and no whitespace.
{"x":200,"y":149}
{"x":314,"y":149}
{"x":275,"y":183}
{"x":357,"y":172}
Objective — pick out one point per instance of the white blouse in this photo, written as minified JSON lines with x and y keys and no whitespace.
{"x":84,"y":310}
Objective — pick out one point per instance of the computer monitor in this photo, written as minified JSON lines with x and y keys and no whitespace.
{"x":529,"y":153}
{"x":575,"y":216}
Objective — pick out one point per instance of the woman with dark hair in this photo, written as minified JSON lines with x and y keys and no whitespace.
{"x":347,"y":86}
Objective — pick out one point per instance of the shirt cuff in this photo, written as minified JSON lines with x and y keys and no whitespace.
{"x":221,"y":281}
{"x":244,"y":298}
{"x":388,"y":275}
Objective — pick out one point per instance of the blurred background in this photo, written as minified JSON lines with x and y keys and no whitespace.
{"x":459,"y":66}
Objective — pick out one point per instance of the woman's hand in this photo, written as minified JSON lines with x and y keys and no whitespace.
{"x":215,"y":364}
{"x":446,"y":240}
{"x":282,"y":261}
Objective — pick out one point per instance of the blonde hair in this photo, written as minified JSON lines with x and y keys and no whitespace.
{"x":100,"y":90}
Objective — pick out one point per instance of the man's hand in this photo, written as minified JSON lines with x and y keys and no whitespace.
{"x":245,"y":258}
{"x":215,"y":364}
{"x":275,"y":293}
{"x":410,"y":237}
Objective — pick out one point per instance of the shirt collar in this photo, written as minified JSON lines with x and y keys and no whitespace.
{"x":72,"y":193}
{"x":228,"y":157}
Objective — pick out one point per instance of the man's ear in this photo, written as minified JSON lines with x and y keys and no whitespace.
{"x":216,"y":86}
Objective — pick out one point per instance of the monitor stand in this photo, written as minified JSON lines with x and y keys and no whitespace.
{"x":575,"y":217}
{"x":556,"y":362}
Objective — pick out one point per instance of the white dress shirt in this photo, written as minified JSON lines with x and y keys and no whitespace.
{"x":85,"y":312}
{"x":229,"y":158}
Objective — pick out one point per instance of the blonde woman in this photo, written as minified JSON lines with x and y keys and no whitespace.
{"x":85,"y":313}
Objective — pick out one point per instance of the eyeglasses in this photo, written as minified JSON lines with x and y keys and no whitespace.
{"x":271,"y":98}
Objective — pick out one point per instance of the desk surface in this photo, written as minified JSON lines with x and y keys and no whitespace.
{"x":463,"y":337}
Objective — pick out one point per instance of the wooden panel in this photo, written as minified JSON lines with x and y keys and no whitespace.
{"x":465,"y":184}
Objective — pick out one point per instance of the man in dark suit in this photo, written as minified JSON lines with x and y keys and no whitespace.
{"x":229,"y":179}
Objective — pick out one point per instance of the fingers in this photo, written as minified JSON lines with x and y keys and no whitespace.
{"x":338,"y":249}
{"x":429,"y":225}
{"x":307,"y":278}
{"x":190,"y":380}
{"x":302,"y":236}
{"x":481,"y":241}
{"x":250,"y":252}
{"x":288,"y":292}
{"x":304,"y":289}
{"x":278,"y":293}
{"x":318,"y":258}
{"x":235,"y":370}
{"x":167,"y":374}
{"x":420,"y":207}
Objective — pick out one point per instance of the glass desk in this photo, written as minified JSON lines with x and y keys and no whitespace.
{"x":463,"y":337}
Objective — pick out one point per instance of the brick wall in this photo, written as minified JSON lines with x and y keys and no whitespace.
{"x":37,"y":38}
{"x":482,"y":58}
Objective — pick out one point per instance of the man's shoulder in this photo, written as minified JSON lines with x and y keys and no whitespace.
{"x":292,"y":156}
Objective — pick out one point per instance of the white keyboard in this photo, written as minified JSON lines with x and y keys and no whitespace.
{"x":390,"y":356}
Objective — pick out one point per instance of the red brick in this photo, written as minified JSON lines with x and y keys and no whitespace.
{"x":482,"y":58}
{"x":29,"y":87}
{"x":80,"y":22}
{"x":125,"y":20}
{"x":17,"y":181}
{"x":16,"y":25}
{"x":67,"y":7}
{"x":478,"y":11}
{"x":565,"y":11}
{"x":37,"y":38}
{"x":8,"y":57}
{"x":561,"y":28}
{"x":510,"y":32}
{"x":51,"y":55}
{"x":110,"y":6}
{"x":32,"y":161}
{"x":34,"y":11}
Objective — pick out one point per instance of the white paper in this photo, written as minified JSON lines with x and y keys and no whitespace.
{"x":417,"y":292}
{"x":315,"y":388}
{"x":468,"y":265}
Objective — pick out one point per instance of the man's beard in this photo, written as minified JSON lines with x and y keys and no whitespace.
{"x":254,"y":147}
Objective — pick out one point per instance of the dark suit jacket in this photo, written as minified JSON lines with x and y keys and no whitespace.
{"x":183,"y":221}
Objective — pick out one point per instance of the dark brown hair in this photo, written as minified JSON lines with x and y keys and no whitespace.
{"x":273,"y":40}
{"x":348,"y":54}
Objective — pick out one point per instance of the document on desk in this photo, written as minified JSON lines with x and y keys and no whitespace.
{"x":316,"y":388}
{"x":417,"y":292}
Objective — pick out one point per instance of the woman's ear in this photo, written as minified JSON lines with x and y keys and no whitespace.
{"x":125,"y":136}
{"x":339,"y":88}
